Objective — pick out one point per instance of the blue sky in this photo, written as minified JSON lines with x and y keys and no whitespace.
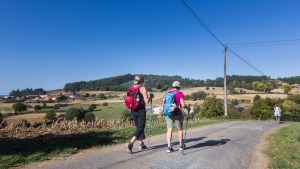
{"x":47,"y":43}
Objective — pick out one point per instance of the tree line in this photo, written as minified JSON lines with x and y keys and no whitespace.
{"x":159,"y":82}
{"x":26,"y":92}
{"x":163,"y":82}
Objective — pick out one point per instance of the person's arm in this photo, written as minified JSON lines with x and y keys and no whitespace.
{"x":143,"y":90}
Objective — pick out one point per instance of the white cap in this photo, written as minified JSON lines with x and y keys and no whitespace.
{"x":176,"y":84}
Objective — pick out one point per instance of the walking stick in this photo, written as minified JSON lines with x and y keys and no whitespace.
{"x":149,"y":129}
{"x":186,"y":126}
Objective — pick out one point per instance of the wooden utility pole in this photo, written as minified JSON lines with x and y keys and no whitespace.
{"x":225,"y":83}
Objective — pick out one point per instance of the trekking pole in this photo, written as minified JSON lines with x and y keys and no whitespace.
{"x":149,"y":129}
{"x":186,"y":126}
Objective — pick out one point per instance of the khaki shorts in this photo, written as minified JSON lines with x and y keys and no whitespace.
{"x":178,"y":119}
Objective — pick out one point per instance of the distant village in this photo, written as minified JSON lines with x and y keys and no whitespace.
{"x":37,"y":98}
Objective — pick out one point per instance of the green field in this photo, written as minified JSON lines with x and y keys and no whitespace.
{"x":109,"y":112}
{"x":284,"y":148}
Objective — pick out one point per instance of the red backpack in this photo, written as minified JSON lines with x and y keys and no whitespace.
{"x":132,"y":99}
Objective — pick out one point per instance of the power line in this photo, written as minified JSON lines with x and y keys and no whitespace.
{"x":253,"y":46}
{"x":199,"y":20}
{"x":245,"y":61}
{"x":187,"y":7}
{"x":265,"y":42}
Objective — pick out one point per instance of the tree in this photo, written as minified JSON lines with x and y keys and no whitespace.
{"x":37,"y":107}
{"x":102,"y":96}
{"x":92,"y":107}
{"x":286,"y":87}
{"x":262,"y":109}
{"x":19,"y":107}
{"x":74,"y":113}
{"x":212,"y":107}
{"x":256,"y":97}
{"x":56,"y":106}
{"x":1,"y":117}
{"x":288,"y":105}
{"x":89,"y":117}
{"x":234,"y":102}
{"x":51,"y":116}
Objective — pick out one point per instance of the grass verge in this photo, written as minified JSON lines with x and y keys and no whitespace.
{"x":284,"y":148}
{"x":23,"y":151}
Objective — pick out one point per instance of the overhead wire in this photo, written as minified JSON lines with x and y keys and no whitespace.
{"x":187,"y":7}
{"x":264,"y":42}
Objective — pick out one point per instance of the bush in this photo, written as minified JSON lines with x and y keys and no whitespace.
{"x":256,"y":97}
{"x":198,"y":95}
{"x":263,"y":109}
{"x":290,"y":117}
{"x":74,"y":113}
{"x":212,"y":107}
{"x":233,"y":112}
{"x":56,"y":106}
{"x":37,"y":107}
{"x":102,"y":96}
{"x":288,"y":105}
{"x":105,"y":104}
{"x":89,"y":117}
{"x":234,"y":102}
{"x":51,"y":116}
{"x":19,"y":107}
{"x":1,"y":117}
{"x":23,"y":123}
{"x":92,"y":107}
{"x":125,"y":115}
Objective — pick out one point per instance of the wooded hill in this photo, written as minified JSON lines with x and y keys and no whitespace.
{"x":159,"y":82}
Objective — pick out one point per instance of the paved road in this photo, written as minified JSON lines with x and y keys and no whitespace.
{"x":227,"y":146}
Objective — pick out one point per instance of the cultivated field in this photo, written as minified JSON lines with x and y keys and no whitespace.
{"x":116,"y":105}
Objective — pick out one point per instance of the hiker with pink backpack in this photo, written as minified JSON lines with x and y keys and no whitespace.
{"x":135,"y":100}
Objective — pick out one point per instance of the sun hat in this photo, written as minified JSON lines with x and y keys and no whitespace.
{"x":176,"y":84}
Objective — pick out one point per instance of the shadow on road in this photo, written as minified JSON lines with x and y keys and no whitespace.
{"x":206,"y":145}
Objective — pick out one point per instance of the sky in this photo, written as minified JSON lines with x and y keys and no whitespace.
{"x":48,"y":43}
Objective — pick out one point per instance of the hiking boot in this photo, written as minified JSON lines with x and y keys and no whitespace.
{"x":181,"y":147}
{"x":129,"y":147}
{"x":170,"y":149}
{"x":142,"y":146}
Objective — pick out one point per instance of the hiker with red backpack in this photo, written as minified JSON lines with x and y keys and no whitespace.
{"x":135,"y":100}
{"x":173,"y":102}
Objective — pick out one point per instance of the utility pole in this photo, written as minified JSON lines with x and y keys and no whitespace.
{"x":225,"y":83}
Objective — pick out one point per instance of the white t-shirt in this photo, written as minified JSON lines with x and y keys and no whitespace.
{"x":277,"y":111}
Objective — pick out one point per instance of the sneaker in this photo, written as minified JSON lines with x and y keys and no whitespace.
{"x":129,"y":147}
{"x":181,"y":147}
{"x":142,"y":146}
{"x":170,"y":149}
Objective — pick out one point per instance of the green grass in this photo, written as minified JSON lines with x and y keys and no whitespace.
{"x":109,"y":112}
{"x":284,"y":148}
{"x":22,"y":151}
{"x":112,"y":111}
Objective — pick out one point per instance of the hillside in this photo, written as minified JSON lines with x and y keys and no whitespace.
{"x":157,"y":82}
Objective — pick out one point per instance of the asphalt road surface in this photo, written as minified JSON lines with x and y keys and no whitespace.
{"x":222,"y":146}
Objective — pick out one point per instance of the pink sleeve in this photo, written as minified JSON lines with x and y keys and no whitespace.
{"x":179,"y":96}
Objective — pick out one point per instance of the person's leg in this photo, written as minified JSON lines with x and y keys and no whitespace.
{"x":169,"y":133}
{"x":141,"y":128}
{"x":134,"y":116}
{"x":133,"y":139}
{"x":179,"y":125}
{"x":140,"y":124}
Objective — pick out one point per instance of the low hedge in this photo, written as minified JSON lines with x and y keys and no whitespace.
{"x":290,"y":117}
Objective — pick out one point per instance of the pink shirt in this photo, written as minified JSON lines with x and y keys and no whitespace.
{"x":179,"y":95}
